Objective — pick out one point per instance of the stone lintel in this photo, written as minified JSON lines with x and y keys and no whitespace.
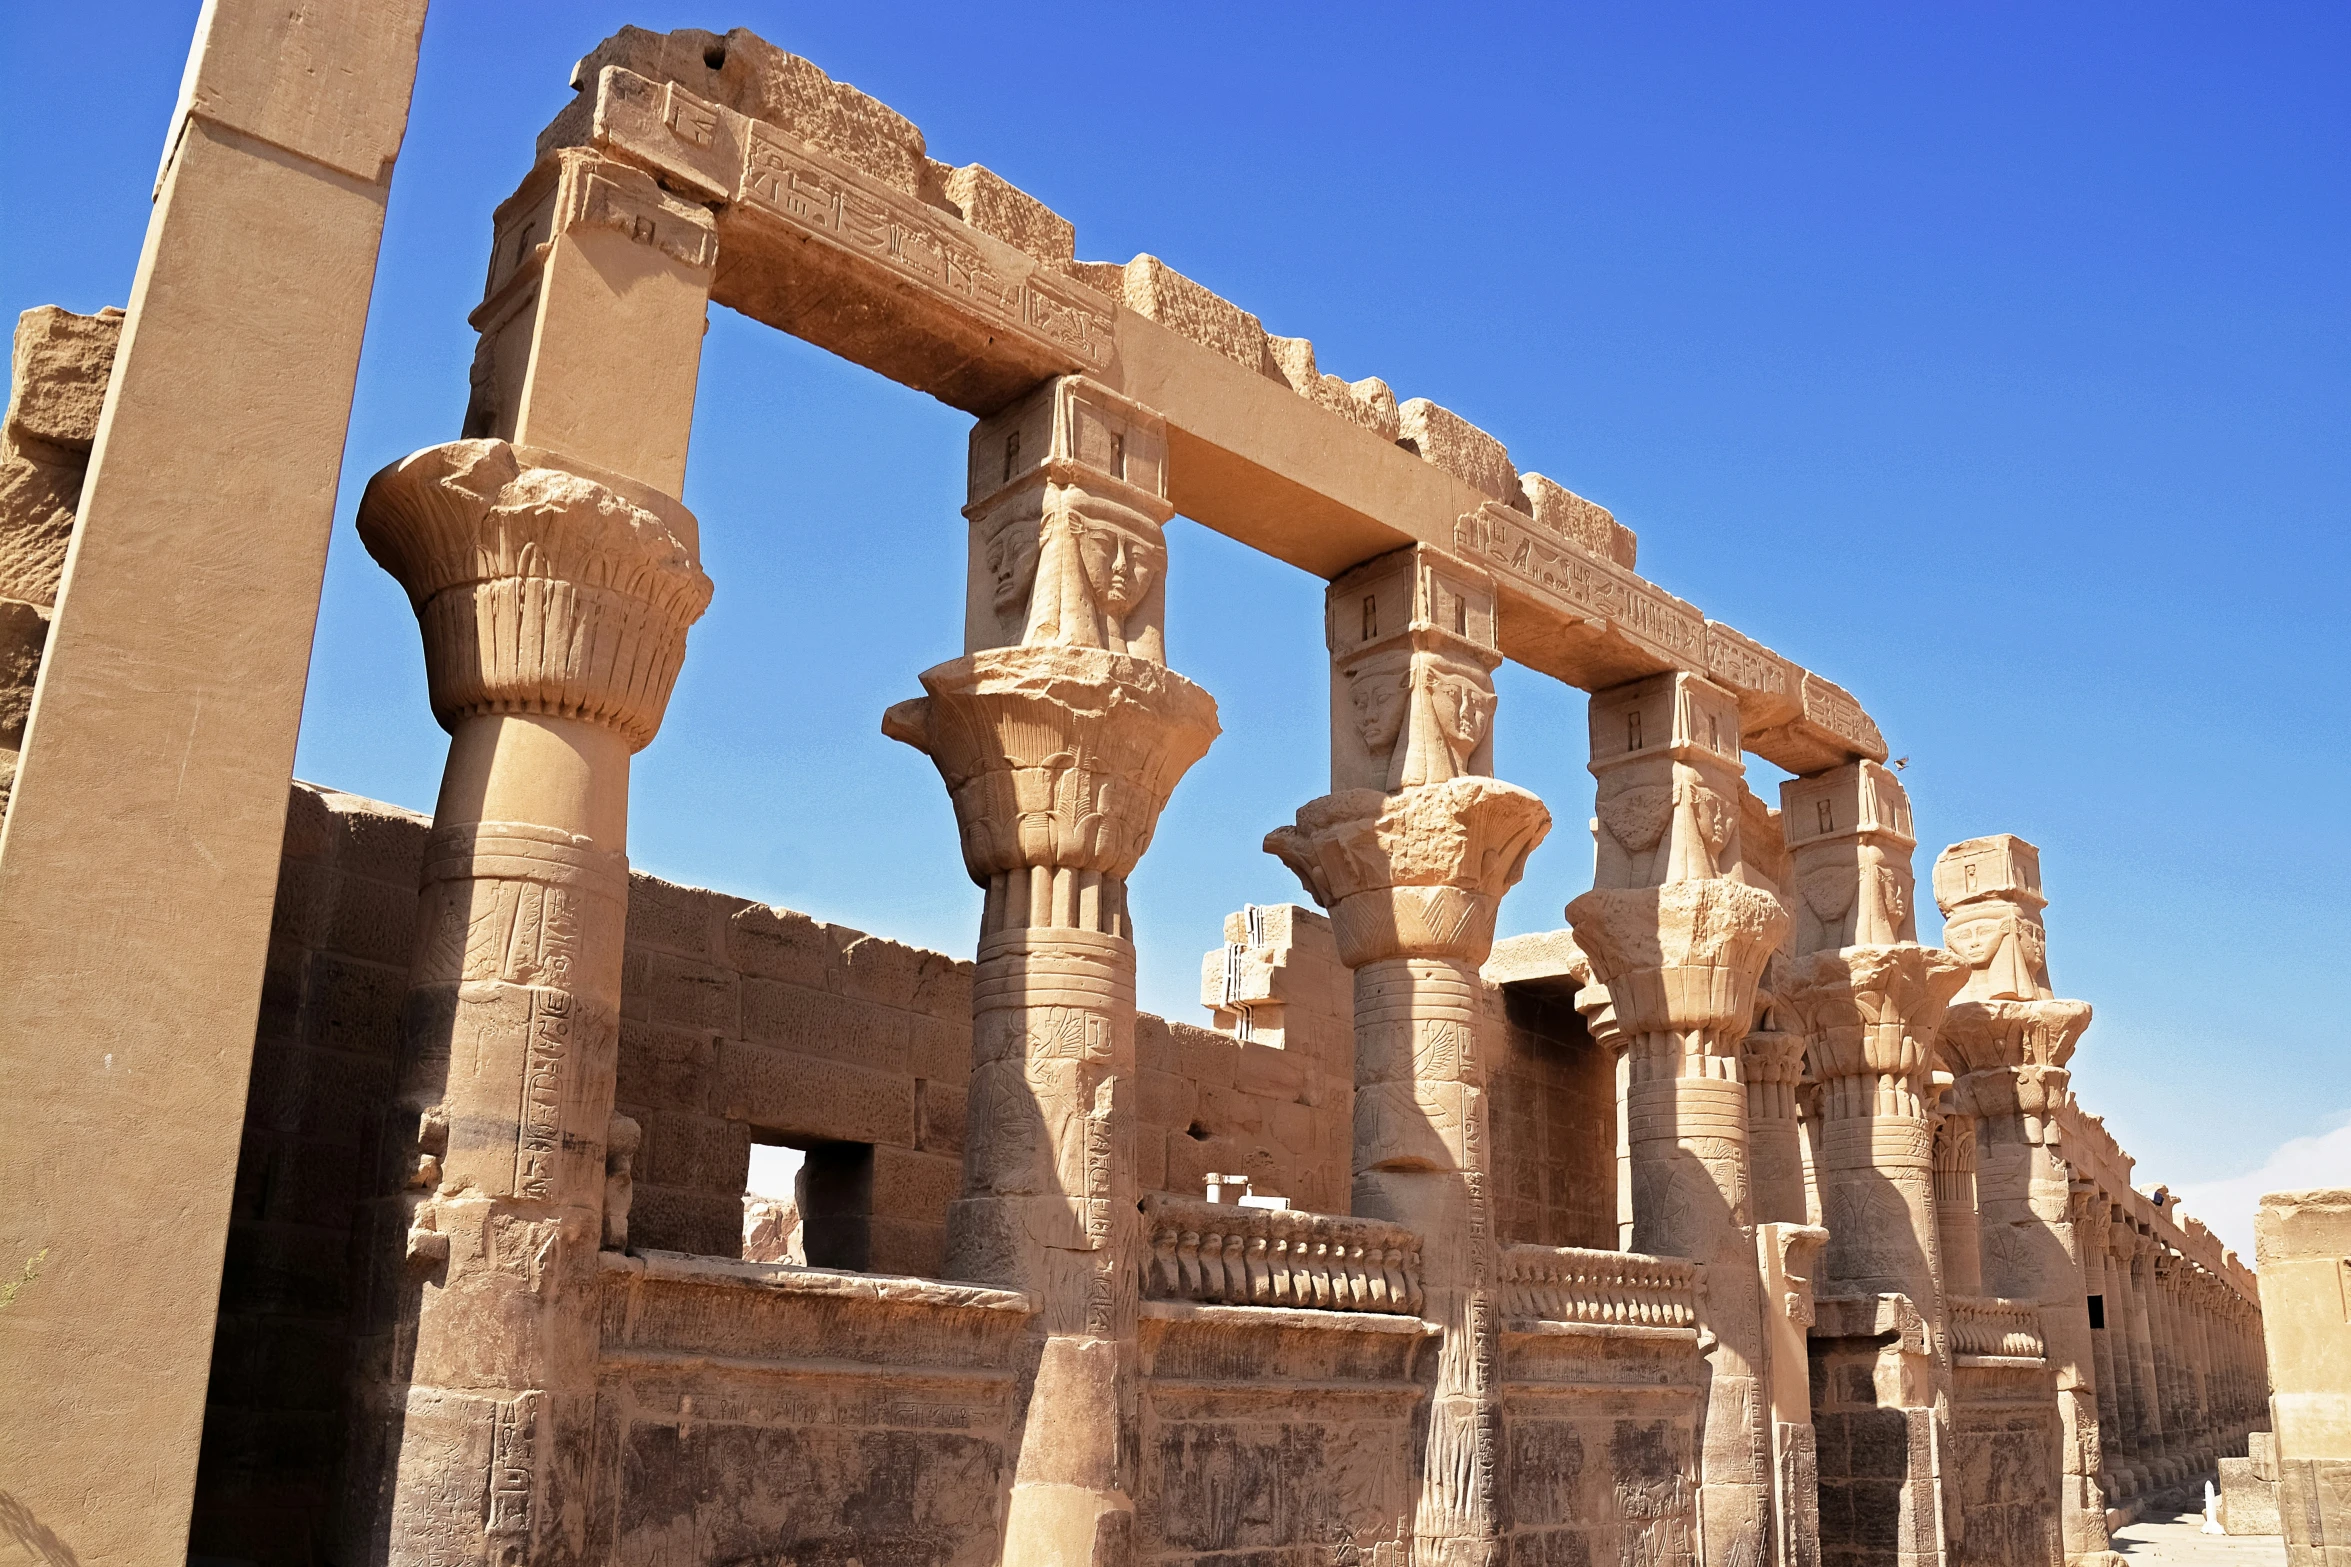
{"x":867,"y":267}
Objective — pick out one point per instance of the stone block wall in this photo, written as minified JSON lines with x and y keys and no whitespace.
{"x":740,"y":1023}
{"x":323,"y":1066}
{"x":1554,"y":1122}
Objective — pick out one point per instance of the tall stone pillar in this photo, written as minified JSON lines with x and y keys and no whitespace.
{"x":139,"y":863}
{"x":2088,"y":1214}
{"x":1411,"y":853}
{"x":1771,"y":1057}
{"x":2154,"y":1426}
{"x":1956,"y":1222}
{"x":2132,"y":1393}
{"x":1060,"y":735}
{"x":2171,"y":1370}
{"x":554,"y":603}
{"x":1681,"y":939}
{"x":1872,"y":1000}
{"x":554,"y":575}
{"x":2012,"y":1038}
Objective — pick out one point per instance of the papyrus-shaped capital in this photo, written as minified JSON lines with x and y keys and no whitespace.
{"x":1419,"y":873}
{"x":1059,"y":761}
{"x":1681,"y":958}
{"x":541,"y":588}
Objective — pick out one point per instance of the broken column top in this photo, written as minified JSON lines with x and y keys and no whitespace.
{"x":836,"y":224}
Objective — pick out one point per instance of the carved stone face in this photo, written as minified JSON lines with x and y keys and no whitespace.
{"x":1012,"y":564}
{"x":1378,"y":692}
{"x":1463,"y":709}
{"x":1121,"y":562}
{"x":1975,"y":940}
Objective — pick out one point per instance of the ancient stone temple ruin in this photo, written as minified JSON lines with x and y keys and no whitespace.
{"x":1726,"y":1223}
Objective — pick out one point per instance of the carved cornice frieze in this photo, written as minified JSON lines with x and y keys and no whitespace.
{"x":1419,"y":873}
{"x":541,"y":587}
{"x":1058,"y":761}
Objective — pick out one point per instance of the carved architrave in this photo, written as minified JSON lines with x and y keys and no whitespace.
{"x":541,"y":587}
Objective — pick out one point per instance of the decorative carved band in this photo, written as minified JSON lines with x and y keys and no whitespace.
{"x":540,"y":589}
{"x":1224,"y":1254}
{"x":1613,"y":1288}
{"x":1987,"y":1326}
{"x":525,"y":905}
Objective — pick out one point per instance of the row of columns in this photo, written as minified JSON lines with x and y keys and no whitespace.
{"x":2179,"y":1352}
{"x":1739,"y":959}
{"x":2161,"y":1376}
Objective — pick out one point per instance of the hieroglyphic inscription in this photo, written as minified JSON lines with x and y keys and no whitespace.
{"x":1508,"y":544}
{"x":811,"y":193}
{"x":546,"y":1065}
{"x":1734,"y":661}
{"x":1833,"y":708}
{"x":513,"y":1465}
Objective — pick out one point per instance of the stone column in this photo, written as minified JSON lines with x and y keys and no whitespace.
{"x":1680,"y":939}
{"x":2012,"y":1038}
{"x":139,"y":863}
{"x":2088,"y":1215}
{"x":2171,"y":1368}
{"x":1955,"y":1197}
{"x":1412,"y":852}
{"x":1060,"y":735}
{"x":2153,"y":1447}
{"x":1872,"y":1000}
{"x":2132,"y":1394}
{"x":2203,"y":1365}
{"x":554,"y":604}
{"x":1772,"y":1062}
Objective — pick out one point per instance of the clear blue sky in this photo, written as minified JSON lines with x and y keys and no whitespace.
{"x":1989,"y":359}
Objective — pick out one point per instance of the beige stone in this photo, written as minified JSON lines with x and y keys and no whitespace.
{"x":59,"y":368}
{"x":2303,"y":1243}
{"x":186,"y":613}
{"x":1730,"y":1224}
{"x":1441,"y":436}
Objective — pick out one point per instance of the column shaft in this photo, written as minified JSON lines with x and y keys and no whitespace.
{"x":141,"y":851}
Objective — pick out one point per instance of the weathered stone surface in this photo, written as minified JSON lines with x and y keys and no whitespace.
{"x":1441,"y":436}
{"x":1331,"y":1284}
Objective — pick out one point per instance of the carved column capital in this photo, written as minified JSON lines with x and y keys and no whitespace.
{"x":1772,"y":1057}
{"x":1681,"y":958}
{"x":1058,"y":761}
{"x":1871,"y":1013}
{"x":541,"y":587}
{"x":1419,"y":873}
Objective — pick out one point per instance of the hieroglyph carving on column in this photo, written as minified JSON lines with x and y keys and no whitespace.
{"x":1680,"y":938}
{"x":558,"y":599}
{"x":1411,"y":853}
{"x":1788,"y":1253}
{"x":1060,"y":736}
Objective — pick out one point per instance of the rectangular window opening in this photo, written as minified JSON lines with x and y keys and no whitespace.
{"x":2097,"y":1311}
{"x":810,"y":1202}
